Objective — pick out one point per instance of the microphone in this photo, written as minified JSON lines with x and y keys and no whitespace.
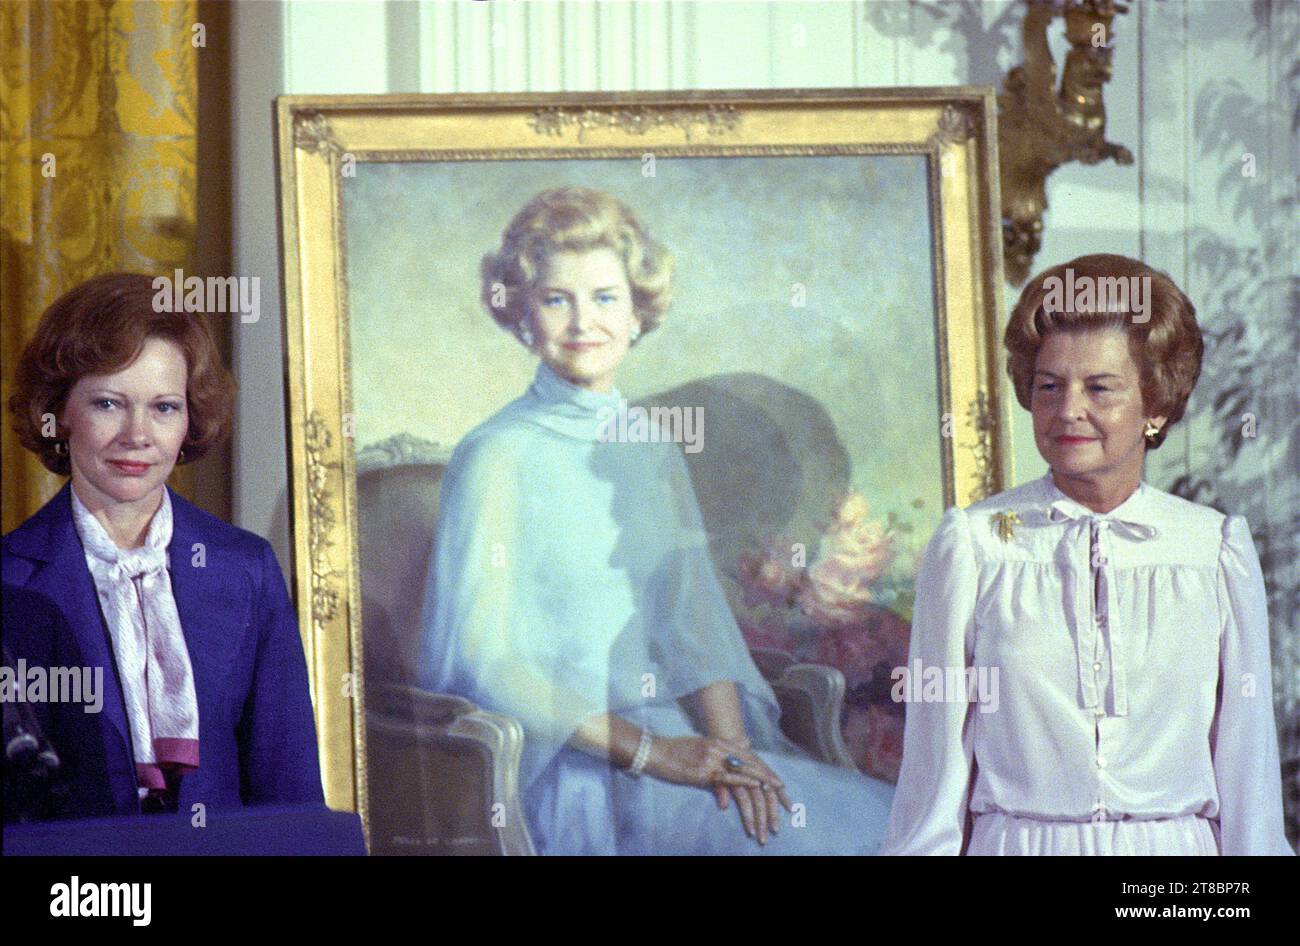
{"x":30,"y":765}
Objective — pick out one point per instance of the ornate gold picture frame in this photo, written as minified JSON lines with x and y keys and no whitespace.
{"x":337,"y":356}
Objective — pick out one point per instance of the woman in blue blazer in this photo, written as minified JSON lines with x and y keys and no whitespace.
{"x":185,"y":620}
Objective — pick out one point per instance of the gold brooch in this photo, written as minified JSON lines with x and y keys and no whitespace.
{"x":1007,"y":522}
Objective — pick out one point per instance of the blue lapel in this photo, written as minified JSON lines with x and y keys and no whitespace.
{"x":212,"y":600}
{"x":51,"y":537}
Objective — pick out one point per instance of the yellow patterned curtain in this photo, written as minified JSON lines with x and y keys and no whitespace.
{"x":98,"y":108}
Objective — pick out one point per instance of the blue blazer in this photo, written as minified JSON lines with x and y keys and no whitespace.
{"x":257,"y":737}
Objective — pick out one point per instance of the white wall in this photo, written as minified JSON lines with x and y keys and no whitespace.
{"x":258,"y":454}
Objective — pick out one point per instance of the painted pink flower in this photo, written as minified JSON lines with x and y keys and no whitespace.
{"x":854,"y":554}
{"x":878,"y":635}
{"x":856,"y":636}
{"x":765,"y":578}
{"x":853,"y":653}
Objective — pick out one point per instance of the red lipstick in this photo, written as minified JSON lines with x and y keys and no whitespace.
{"x":130,"y":468}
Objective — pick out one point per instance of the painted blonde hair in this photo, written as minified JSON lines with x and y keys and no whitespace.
{"x":574,"y":219}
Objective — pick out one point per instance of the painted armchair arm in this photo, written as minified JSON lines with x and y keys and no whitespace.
{"x":811,"y":698}
{"x":451,"y":775}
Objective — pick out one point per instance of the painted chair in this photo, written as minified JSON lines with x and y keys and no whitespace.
{"x":442,"y":774}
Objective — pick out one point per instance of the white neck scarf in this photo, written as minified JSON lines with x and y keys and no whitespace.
{"x":135,"y":593}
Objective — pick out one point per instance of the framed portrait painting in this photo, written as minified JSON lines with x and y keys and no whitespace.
{"x":824,"y":284}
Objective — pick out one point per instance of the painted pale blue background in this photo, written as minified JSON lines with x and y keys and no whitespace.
{"x":799,"y":401}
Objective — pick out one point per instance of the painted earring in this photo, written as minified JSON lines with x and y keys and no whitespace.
{"x":526,"y":336}
{"x":180,"y":457}
{"x":634,"y":334}
{"x":1151,"y":430}
{"x":60,"y":448}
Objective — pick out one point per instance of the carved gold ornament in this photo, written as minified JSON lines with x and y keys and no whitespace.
{"x":1041,"y":127}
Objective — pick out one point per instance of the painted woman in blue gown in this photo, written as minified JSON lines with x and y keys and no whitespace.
{"x":571,"y":585}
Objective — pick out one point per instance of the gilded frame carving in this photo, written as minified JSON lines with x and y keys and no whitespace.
{"x":316,"y":135}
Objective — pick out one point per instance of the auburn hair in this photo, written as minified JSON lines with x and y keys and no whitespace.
{"x":100,"y":327}
{"x":1163,"y":335}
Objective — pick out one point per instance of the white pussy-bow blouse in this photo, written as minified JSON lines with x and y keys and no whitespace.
{"x":1130,"y":656}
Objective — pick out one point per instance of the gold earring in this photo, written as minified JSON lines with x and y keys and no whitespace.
{"x":1151,"y":430}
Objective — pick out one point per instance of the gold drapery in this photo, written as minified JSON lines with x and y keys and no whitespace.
{"x":98,"y":114}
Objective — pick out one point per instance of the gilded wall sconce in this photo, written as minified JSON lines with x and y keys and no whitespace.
{"x":1040,"y":127}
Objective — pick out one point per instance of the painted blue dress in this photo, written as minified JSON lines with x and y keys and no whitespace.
{"x":572,"y":578}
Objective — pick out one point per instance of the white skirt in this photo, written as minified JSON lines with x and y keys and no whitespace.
{"x":997,"y":833}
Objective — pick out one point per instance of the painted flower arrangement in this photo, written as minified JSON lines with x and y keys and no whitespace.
{"x":834,"y":612}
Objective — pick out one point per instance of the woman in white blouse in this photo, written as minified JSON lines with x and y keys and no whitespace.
{"x":1124,"y":628}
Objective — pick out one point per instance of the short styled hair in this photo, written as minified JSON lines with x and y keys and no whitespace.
{"x":1163,"y":335}
{"x":100,"y":327}
{"x":574,"y":219}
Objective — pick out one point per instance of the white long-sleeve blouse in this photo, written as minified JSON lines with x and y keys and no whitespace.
{"x":1118,"y":665}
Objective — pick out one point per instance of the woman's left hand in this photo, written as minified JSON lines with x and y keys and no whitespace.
{"x":760,"y":808}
